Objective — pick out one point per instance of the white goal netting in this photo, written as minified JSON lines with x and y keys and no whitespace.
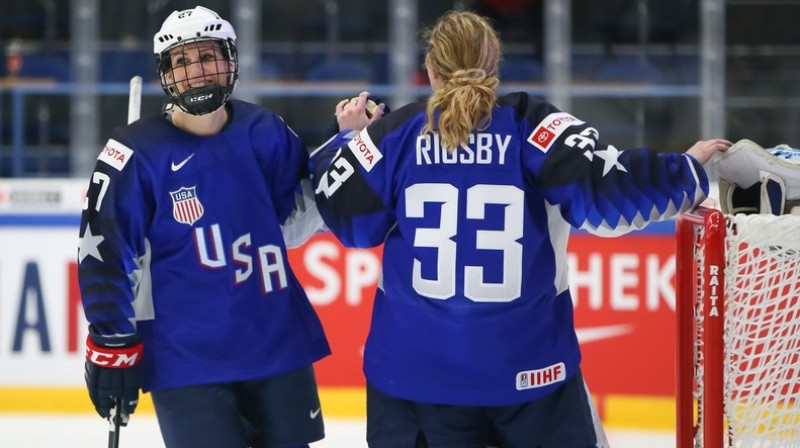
{"x":761,"y":332}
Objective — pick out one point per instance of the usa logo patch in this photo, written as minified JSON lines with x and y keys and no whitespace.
{"x":186,"y":207}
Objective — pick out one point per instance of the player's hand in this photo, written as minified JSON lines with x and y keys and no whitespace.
{"x":704,"y":149}
{"x":357,"y":113}
{"x":113,"y":370}
{"x":373,"y":102}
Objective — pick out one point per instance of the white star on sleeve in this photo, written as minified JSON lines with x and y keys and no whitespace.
{"x":611,"y":156}
{"x":88,"y":245}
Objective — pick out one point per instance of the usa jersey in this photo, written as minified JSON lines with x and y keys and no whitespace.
{"x":181,"y":243}
{"x":474,"y":305}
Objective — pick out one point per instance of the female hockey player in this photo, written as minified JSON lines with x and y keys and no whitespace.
{"x":472,"y":341}
{"x":183,"y":269}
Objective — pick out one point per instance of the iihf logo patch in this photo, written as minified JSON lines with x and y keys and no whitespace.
{"x":531,"y":379}
{"x":186,"y":207}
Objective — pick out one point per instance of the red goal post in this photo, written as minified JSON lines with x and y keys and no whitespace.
{"x":738,"y":330}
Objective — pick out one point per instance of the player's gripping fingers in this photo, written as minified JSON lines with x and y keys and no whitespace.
{"x":351,"y":114}
{"x":360,"y":104}
{"x":356,"y":105}
{"x":105,"y":385}
{"x":130,"y":390}
{"x":703,"y":150}
{"x":98,"y":394}
{"x":340,"y":106}
{"x":717,"y":144}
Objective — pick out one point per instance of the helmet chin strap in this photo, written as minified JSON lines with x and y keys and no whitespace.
{"x":201,"y":100}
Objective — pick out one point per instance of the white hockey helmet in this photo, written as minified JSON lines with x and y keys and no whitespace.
{"x":191,"y":26}
{"x":757,"y":180}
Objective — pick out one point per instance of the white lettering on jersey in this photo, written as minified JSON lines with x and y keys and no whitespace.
{"x":240,"y":257}
{"x":531,"y":379}
{"x":115,"y":154}
{"x":482,"y":148}
{"x":585,"y":140}
{"x":366,"y":152}
{"x":339,"y":171}
{"x":271,"y":263}
{"x":549,"y":129}
{"x":215,"y":260}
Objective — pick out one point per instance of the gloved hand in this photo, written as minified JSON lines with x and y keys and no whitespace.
{"x":113,"y":370}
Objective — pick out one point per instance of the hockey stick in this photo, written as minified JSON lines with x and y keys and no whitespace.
{"x":134,"y":110}
{"x":135,"y":99}
{"x":114,"y":423}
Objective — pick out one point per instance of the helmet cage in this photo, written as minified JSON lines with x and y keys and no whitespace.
{"x":207,"y":97}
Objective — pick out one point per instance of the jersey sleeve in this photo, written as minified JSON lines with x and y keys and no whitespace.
{"x":284,"y":163}
{"x":112,"y":248}
{"x":350,"y":183}
{"x":600,"y":188}
{"x":305,"y":220}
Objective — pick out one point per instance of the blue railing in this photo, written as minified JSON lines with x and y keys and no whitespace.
{"x":18,"y":91}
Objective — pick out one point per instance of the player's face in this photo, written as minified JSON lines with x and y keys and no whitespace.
{"x":198,"y":64}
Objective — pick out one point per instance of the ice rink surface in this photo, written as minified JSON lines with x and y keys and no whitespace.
{"x":51,"y":431}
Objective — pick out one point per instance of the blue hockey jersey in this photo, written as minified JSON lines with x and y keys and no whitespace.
{"x":474,"y":306}
{"x":181,"y":243}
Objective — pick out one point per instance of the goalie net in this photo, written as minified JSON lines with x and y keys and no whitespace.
{"x":738,"y":305}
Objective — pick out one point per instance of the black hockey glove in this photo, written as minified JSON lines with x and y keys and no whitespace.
{"x":113,"y":371}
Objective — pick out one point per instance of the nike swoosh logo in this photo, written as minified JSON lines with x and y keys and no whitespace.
{"x":180,"y":165}
{"x":314,"y":413}
{"x":594,"y":334}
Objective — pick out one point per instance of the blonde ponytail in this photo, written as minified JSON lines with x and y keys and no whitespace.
{"x":464,"y":53}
